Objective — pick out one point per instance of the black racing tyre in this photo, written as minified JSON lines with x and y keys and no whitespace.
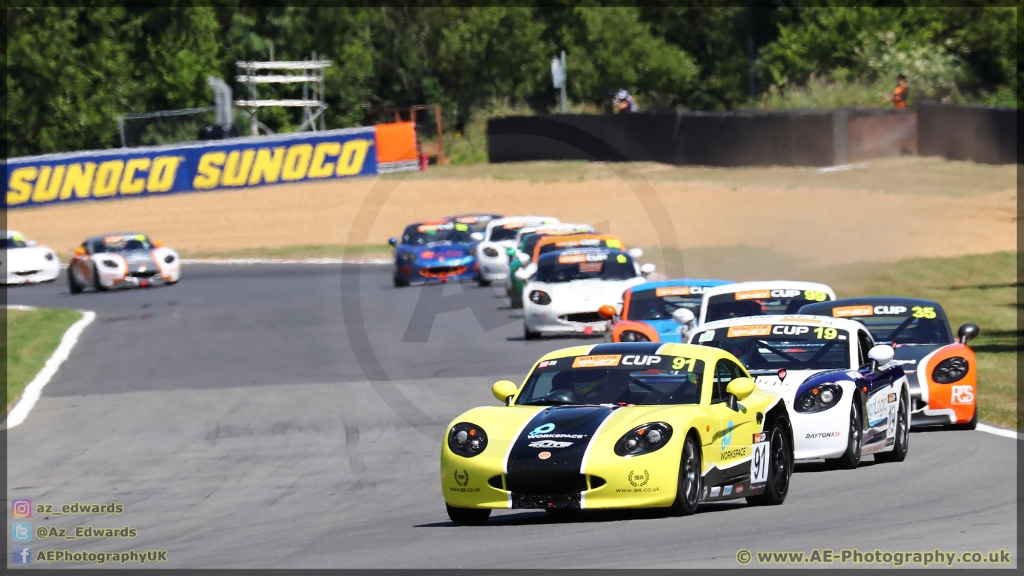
{"x":780,"y":468}
{"x":971,"y":424}
{"x":468,"y":516}
{"x":528,"y":335}
{"x":96,"y":284}
{"x":481,"y":282}
{"x":399,"y":282}
{"x":73,"y":284}
{"x":851,"y":458}
{"x":690,"y":480}
{"x":902,"y":443}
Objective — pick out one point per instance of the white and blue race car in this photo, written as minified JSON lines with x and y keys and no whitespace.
{"x":845,"y":396}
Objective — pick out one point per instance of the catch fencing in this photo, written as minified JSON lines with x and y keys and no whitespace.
{"x":212,"y":165}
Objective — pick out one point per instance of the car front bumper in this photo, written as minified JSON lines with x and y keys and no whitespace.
{"x":648,"y":481}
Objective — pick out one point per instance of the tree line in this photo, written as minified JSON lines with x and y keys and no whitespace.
{"x":73,"y":71}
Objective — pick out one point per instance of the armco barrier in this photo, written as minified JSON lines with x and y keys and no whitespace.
{"x":214,"y":165}
{"x":976,"y":133}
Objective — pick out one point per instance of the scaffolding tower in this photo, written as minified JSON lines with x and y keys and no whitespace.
{"x":310,"y":75}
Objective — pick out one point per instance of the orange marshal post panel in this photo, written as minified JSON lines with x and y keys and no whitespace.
{"x":396,"y":147}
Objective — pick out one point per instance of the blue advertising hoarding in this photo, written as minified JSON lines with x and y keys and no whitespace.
{"x":214,"y":165}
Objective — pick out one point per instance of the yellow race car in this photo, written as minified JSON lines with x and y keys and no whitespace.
{"x":621,"y":425}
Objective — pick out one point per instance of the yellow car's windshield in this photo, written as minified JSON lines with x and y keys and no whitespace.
{"x":630,"y":379}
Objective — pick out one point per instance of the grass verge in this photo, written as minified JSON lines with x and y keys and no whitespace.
{"x":32,"y":336}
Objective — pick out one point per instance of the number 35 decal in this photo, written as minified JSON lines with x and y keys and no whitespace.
{"x":923,"y":312}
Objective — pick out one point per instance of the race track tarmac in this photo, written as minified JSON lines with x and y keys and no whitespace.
{"x":290,"y":416}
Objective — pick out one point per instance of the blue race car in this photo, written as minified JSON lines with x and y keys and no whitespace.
{"x":647,"y":309}
{"x":435,"y":251}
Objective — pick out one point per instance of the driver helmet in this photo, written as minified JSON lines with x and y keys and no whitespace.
{"x":589,"y":380}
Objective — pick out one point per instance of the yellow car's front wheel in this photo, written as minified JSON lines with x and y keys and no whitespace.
{"x":468,"y":516}
{"x":688,"y":493}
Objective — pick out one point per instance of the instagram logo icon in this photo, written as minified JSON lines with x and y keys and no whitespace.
{"x":21,"y":508}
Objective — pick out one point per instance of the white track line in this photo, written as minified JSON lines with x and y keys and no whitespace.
{"x":1005,"y":433}
{"x":35,"y":387}
{"x":250,"y":261}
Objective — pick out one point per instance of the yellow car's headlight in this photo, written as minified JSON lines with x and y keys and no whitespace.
{"x":644,"y":439}
{"x":467,"y":439}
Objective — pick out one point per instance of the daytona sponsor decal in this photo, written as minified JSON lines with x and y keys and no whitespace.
{"x":815,"y":435}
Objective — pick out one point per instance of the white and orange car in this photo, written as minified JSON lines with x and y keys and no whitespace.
{"x":124,"y":259}
{"x":942,"y":370}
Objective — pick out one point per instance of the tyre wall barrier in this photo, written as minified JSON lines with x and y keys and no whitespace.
{"x":975,"y":133}
{"x":210,"y":165}
{"x":796,"y":138}
{"x":715,"y":139}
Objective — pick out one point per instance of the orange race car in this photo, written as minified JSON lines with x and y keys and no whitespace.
{"x":942,"y":370}
{"x":649,"y":311}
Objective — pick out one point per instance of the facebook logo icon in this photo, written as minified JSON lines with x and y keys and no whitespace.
{"x":21,"y":555}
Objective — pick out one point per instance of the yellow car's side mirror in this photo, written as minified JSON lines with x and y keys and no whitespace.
{"x":741,"y":388}
{"x":503,"y":389}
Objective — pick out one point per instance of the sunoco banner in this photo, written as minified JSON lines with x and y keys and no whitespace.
{"x":217,"y":165}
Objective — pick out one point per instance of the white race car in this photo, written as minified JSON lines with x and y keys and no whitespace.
{"x":571,"y":285}
{"x":500,"y":235}
{"x":26,"y":263}
{"x":760,"y":298}
{"x":121,"y":260}
{"x":845,"y":396}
